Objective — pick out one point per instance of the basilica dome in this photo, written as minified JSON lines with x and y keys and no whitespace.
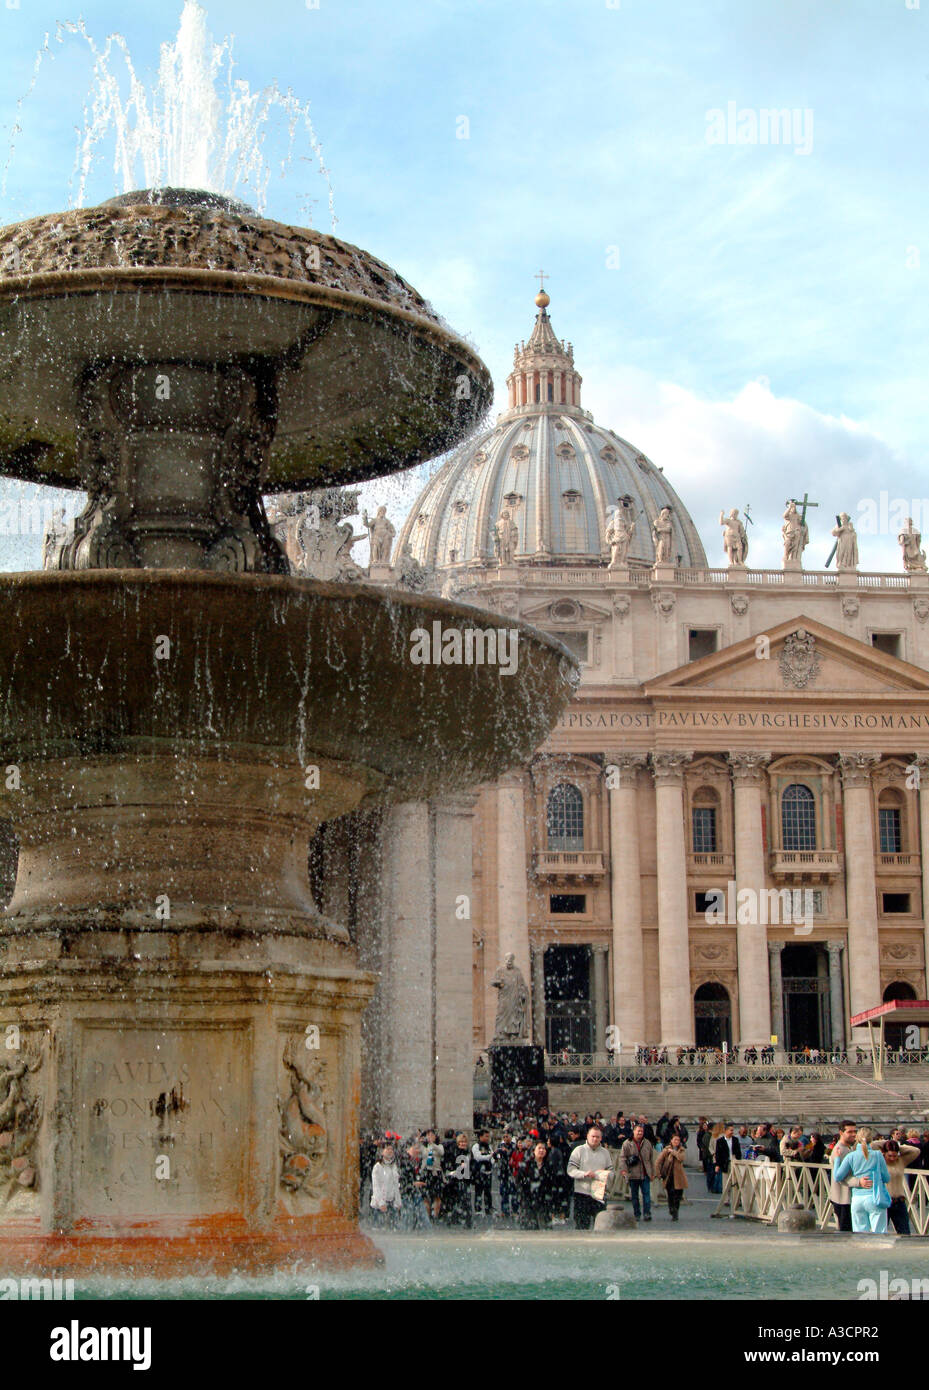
{"x":557,"y":473}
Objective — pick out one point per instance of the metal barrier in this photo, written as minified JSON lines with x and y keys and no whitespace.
{"x":761,"y":1190}
{"x":589,"y":1069}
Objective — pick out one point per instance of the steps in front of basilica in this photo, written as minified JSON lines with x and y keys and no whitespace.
{"x":844,"y":1097}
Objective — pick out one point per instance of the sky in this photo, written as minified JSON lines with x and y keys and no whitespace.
{"x":750,"y":314}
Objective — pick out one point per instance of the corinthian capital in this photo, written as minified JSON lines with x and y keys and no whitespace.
{"x":622,"y":769}
{"x":748,"y":768}
{"x":856,"y":768}
{"x":668,"y":767}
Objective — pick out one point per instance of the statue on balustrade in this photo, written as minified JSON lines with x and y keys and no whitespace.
{"x":910,"y":540}
{"x":735,"y":537}
{"x":662,"y":534}
{"x":846,"y":543}
{"x":620,"y":531}
{"x":795,"y":532}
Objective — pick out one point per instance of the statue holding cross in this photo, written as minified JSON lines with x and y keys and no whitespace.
{"x":795,"y":531}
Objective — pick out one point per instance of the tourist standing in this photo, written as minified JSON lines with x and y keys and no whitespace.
{"x":385,"y":1188}
{"x":637,"y":1161}
{"x":432,"y":1174}
{"x":670,"y":1170}
{"x":537,"y":1190}
{"x":897,"y":1157}
{"x":503,"y":1155}
{"x":458,"y":1186}
{"x":412,"y":1188}
{"x":727,"y":1148}
{"x":482,"y":1174}
{"x":586,"y":1162}
{"x":839,"y":1192}
{"x":865,"y":1172}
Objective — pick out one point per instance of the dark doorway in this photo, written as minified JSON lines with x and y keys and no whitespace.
{"x":712,"y":1016}
{"x":568,"y":1008}
{"x":895,"y":1033}
{"x":804,"y":973}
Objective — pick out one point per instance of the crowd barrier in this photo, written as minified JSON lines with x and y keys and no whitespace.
{"x":761,"y":1190}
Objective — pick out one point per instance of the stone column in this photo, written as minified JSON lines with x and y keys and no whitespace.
{"x":626,"y":898}
{"x":777,"y":992}
{"x":836,"y":994}
{"x":512,"y":911}
{"x":922,"y":765}
{"x":601,"y":992}
{"x":454,"y":972}
{"x":751,"y":937}
{"x":677,"y":1014}
{"x":864,"y":969}
{"x":407,"y":1091}
{"x":537,"y":987}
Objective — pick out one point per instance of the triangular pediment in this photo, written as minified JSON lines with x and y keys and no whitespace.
{"x":799,"y":657}
{"x":575,"y":611}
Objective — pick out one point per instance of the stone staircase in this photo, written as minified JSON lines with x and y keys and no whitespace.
{"x":842,"y":1097}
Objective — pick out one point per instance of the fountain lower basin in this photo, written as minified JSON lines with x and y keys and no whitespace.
{"x":184,"y":1096}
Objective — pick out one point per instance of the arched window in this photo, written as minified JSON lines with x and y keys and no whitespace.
{"x":712,"y":1016}
{"x":899,"y":989}
{"x":798,"y":818}
{"x":565,"y":817}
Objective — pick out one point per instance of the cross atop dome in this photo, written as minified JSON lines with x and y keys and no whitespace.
{"x":543,"y":368}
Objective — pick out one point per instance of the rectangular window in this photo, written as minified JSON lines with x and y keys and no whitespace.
{"x":895,"y":902}
{"x":889,"y":823}
{"x":576,"y":642}
{"x":889,"y":642}
{"x":710,"y":902}
{"x":567,"y":902}
{"x":704,"y":829}
{"x":702,"y":641}
{"x":803,"y":900}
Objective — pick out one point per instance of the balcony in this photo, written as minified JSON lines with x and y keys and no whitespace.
{"x":808,"y":865}
{"x":712,"y":865}
{"x":569,"y":865}
{"x":898,"y":863}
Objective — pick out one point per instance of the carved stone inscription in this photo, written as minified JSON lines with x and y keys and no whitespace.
{"x":164,"y":1120}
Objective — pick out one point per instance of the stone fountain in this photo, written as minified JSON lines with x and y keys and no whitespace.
{"x":178,"y":714}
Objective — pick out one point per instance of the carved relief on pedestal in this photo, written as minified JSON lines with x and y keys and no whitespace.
{"x":20,"y":1118}
{"x":621,"y":605}
{"x":739,"y":604}
{"x":664,"y":603}
{"x":304,"y":1132}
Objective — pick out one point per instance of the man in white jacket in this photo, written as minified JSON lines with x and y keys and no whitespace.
{"x":385,"y":1186}
{"x":585,"y":1162}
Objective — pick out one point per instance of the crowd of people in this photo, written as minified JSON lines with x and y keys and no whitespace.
{"x":560,"y":1169}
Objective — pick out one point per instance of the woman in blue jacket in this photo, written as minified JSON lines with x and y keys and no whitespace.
{"x":866,"y":1173}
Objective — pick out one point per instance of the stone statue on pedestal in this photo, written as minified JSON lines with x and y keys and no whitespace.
{"x":914,"y":558}
{"x":846,"y":543}
{"x":735,"y":537}
{"x":512,"y":1023}
{"x":796,"y":534}
{"x":619,"y":532}
{"x":57,"y":534}
{"x":662,"y":535}
{"x":410,"y":574}
{"x":506,"y":537}
{"x":381,"y":531}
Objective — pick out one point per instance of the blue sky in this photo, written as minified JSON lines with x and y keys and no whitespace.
{"x":764,"y":330}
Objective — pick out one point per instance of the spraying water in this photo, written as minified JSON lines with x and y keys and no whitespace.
{"x":199,"y":126}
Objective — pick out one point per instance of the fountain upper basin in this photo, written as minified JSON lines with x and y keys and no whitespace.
{"x":368,"y":379}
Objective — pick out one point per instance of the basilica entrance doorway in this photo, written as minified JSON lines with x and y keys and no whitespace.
{"x":569,"y":1021}
{"x":712,"y":1016}
{"x":805,"y":975}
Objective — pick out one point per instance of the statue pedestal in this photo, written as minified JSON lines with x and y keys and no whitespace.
{"x":919,"y":579}
{"x":793,"y":567}
{"x":663,"y":573}
{"x":509,"y":573}
{"x":847,"y":579}
{"x":735,"y":573}
{"x":517,"y":1077}
{"x":620,"y":572}
{"x":380,"y":573}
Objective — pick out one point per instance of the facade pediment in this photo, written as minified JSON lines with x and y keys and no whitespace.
{"x":564,"y":612}
{"x":802,"y":657}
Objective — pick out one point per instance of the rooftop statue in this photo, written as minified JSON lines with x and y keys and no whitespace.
{"x":910,"y":540}
{"x":735,"y":537}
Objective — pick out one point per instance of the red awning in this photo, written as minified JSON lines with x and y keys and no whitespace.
{"x":895,"y":1011}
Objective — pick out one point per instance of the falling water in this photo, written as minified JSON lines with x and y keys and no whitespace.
{"x":199,"y":126}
